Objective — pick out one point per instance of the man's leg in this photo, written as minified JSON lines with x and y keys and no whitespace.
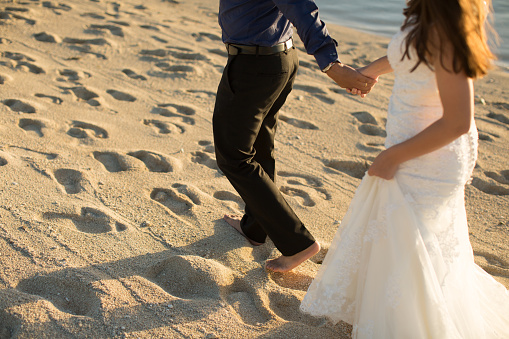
{"x":264,"y":155}
{"x":247,"y":92}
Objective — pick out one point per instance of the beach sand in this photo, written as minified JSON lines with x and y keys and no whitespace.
{"x":111,"y":202}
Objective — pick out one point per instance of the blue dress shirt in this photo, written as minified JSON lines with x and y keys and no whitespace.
{"x":270,"y":22}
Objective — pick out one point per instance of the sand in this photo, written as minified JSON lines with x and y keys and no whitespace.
{"x":111,"y":202}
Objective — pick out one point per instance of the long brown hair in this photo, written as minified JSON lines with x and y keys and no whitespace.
{"x":462,"y":23}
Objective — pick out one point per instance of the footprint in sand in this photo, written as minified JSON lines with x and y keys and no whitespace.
{"x":164,"y":127}
{"x":91,"y":220}
{"x":68,"y":290}
{"x":19,"y":106}
{"x":150,"y":27}
{"x":85,"y":45}
{"x":158,"y":39}
{"x":286,"y":306}
{"x":98,"y":29}
{"x":204,"y":159}
{"x":121,"y":96}
{"x":305,"y":199}
{"x":175,"y":110}
{"x":307,"y":189}
{"x":365,"y":118}
{"x":84,"y":94}
{"x":173,"y":71}
{"x":297,"y":122}
{"x":230,"y":197}
{"x":186,"y":54}
{"x":179,"y":203}
{"x":246,"y":308}
{"x":71,"y":75}
{"x":208,"y":146}
{"x":487,"y":136}
{"x":295,"y":280}
{"x":47,"y":37}
{"x":21,"y":62}
{"x":353,"y":168}
{"x":70,"y":179}
{"x":501,"y":105}
{"x":501,"y":177}
{"x":372,"y":130}
{"x":499,"y":117}
{"x":317,"y":92}
{"x":149,"y":54}
{"x":120,"y":23}
{"x":372,"y":147}
{"x":206,"y":36}
{"x":369,"y":126}
{"x":202,"y":93}
{"x":82,"y":130}
{"x":169,"y":69}
{"x":32,"y":126}
{"x":221,"y":52}
{"x":360,"y":61}
{"x":491,"y":186}
{"x":155,"y":162}
{"x":192,"y":277}
{"x":51,"y":98}
{"x":309,"y":89}
{"x":10,"y":13}
{"x":131,"y":74}
{"x":77,"y":41}
{"x":93,"y":16}
{"x":113,"y":9}
{"x":57,"y":6}
{"x":113,"y":162}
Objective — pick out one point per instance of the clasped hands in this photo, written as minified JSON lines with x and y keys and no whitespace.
{"x":351,"y":79}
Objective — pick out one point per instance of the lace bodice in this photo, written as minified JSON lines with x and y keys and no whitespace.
{"x":414,"y":105}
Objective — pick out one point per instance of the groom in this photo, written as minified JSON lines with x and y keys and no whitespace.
{"x":259,"y":75}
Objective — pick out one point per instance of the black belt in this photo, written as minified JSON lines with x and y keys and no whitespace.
{"x":234,"y":49}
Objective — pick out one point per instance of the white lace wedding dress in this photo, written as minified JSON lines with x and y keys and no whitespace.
{"x":401,"y":264}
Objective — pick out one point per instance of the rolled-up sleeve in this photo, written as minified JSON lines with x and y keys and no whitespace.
{"x":303,"y":14}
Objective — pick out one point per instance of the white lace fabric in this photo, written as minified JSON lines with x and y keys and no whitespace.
{"x":401,"y":264}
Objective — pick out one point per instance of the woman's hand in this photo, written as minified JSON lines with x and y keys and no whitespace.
{"x":384,"y":165}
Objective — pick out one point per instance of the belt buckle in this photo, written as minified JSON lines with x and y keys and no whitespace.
{"x":288,"y":44}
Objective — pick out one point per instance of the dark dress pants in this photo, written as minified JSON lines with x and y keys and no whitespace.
{"x":252,"y":90}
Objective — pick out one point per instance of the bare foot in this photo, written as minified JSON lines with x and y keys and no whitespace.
{"x":287,"y":263}
{"x":234,"y":221}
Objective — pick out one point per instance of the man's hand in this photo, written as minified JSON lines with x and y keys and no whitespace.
{"x":348,"y":78}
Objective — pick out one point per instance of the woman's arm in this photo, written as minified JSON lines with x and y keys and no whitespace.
{"x":377,"y":68}
{"x":373,"y":71}
{"x":456,"y":94}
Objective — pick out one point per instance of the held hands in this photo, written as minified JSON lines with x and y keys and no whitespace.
{"x":373,"y":71}
{"x":353,"y":81}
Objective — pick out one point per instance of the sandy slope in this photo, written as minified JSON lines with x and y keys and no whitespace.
{"x":110,"y":198}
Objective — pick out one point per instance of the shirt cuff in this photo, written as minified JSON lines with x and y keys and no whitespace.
{"x":326,"y":55}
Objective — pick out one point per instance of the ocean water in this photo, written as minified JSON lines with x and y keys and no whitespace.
{"x":384,"y":17}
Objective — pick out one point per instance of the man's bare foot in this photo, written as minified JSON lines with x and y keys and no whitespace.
{"x":287,"y":263}
{"x":234,"y":221}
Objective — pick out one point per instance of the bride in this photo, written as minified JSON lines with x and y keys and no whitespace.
{"x":401,"y":264}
